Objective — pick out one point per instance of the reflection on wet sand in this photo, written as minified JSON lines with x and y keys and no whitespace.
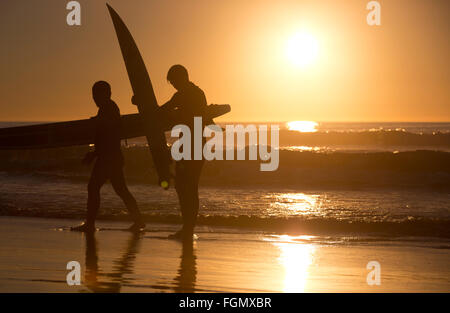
{"x":35,"y":251}
{"x":112,"y":282}
{"x":295,"y":257}
{"x":187,"y":272}
{"x":123,"y":268}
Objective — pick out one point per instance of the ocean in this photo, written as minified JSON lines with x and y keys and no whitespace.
{"x":357,"y":179}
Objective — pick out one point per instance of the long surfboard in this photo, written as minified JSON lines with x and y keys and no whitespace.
{"x":82,"y":132}
{"x":148,"y":108}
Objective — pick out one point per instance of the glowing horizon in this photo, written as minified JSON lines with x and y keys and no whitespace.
{"x":278,"y":61}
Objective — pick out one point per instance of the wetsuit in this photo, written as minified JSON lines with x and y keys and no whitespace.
{"x":109,"y":162}
{"x":189,"y":103}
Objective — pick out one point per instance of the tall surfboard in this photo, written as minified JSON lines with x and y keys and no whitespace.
{"x":148,"y":108}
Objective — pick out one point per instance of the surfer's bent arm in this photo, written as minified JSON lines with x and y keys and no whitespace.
{"x":101,"y":129}
{"x":172,"y":104}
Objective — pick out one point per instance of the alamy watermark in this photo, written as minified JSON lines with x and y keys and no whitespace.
{"x":374,"y":16}
{"x":73,"y":278}
{"x":218,"y":148}
{"x":374,"y":276}
{"x":74,"y":16}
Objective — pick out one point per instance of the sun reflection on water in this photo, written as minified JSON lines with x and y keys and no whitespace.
{"x":296,"y":203}
{"x":303,"y":126}
{"x":296,"y":259}
{"x":303,"y":148}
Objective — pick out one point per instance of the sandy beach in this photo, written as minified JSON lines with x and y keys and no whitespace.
{"x":296,"y":147}
{"x":35,"y":252}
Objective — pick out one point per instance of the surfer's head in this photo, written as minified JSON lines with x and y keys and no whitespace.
{"x":178,"y":76}
{"x":101,"y":92}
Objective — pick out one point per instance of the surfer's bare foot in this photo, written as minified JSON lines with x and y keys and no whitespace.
{"x":85,"y":228}
{"x":183,"y":236}
{"x":137,"y":227}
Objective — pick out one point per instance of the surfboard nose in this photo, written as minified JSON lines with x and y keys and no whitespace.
{"x":112,"y":11}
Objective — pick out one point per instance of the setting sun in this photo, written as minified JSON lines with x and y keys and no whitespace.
{"x":302,"y":49}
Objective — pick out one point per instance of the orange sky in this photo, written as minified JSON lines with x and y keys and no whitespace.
{"x":235,"y":51}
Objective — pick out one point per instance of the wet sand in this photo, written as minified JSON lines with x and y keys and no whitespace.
{"x":35,"y":251}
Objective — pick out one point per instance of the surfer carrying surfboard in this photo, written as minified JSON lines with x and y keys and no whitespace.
{"x":188,"y":102}
{"x":109,"y":160}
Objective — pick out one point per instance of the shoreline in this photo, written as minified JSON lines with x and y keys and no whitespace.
{"x":35,"y":252}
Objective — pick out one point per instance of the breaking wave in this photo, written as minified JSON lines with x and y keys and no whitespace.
{"x":407,"y":169}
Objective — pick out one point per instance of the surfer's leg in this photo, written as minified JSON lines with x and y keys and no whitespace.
{"x":187,"y":179}
{"x":194,"y":171}
{"x":98,"y":178}
{"x":181,"y":188}
{"x":96,"y":181}
{"x":120,"y":187}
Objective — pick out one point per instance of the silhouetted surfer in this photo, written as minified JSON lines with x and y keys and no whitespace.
{"x":189,"y":101}
{"x":109,"y":160}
